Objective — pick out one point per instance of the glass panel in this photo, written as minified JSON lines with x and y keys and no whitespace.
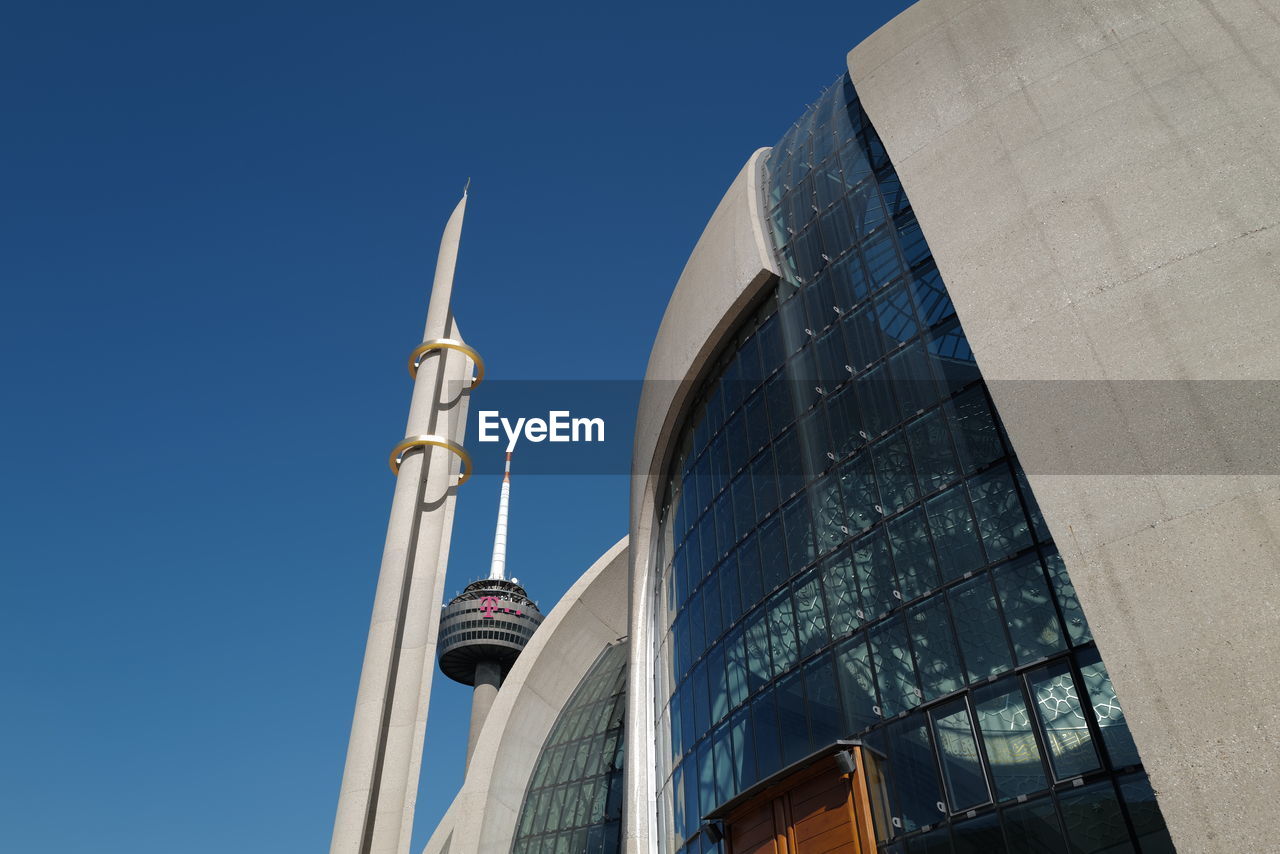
{"x":1144,"y":812}
{"x":1094,"y":822}
{"x":705,"y":777}
{"x":861,"y":499}
{"x":894,"y":672}
{"x":701,"y":699}
{"x":954,"y":534}
{"x":792,"y":721}
{"x":744,"y":754}
{"x":1106,"y":710}
{"x":782,"y":633}
{"x":735,"y":668}
{"x":773,"y":553}
{"x":974,"y":429}
{"x":857,"y":689}
{"x":875,"y":396}
{"x":979,"y":628}
{"x":826,"y":723}
{"x":841,"y":593}
{"x":744,"y":508}
{"x":936,"y":657}
{"x":758,"y":659}
{"x":764,"y":483}
{"x":913,"y":554}
{"x":1028,"y":609}
{"x":764,"y":721}
{"x":730,"y":594}
{"x":979,"y":836}
{"x":875,"y":575}
{"x":913,"y":381}
{"x":828,"y":510}
{"x":934,"y":842}
{"x":811,"y":620}
{"x":1034,"y":826}
{"x":1062,"y":721}
{"x":894,"y":472}
{"x":913,"y":772}
{"x":1013,"y":756}
{"x":717,"y":683}
{"x":711,"y":608}
{"x":749,"y":573}
{"x":800,"y":545}
{"x":1077,"y":626}
{"x":961,"y":767}
{"x":723,"y":749}
{"x":1004,"y":527}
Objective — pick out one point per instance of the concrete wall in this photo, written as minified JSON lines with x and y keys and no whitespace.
{"x":1100,"y":185}
{"x":729,"y":268}
{"x":591,"y":614}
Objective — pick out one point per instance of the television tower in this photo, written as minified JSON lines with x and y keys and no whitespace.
{"x":384,"y":755}
{"x":485,"y":627}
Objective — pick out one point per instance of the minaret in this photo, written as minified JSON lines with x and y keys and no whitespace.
{"x":384,"y":755}
{"x":484,"y":628}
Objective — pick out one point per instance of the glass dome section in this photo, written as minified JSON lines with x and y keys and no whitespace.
{"x":574,"y":799}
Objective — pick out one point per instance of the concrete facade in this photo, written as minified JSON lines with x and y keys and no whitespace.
{"x":591,"y":615}
{"x":1099,"y":184}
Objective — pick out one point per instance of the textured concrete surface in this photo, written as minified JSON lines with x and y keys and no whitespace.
{"x":591,"y":614}
{"x":1100,"y":185}
{"x":729,"y":268}
{"x":485,"y":691}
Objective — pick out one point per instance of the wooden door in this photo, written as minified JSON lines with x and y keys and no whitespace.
{"x":818,"y":810}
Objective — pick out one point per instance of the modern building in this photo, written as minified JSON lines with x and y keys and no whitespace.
{"x":911,"y":566}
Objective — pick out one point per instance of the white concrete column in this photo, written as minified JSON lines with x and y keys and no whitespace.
{"x":375,"y":806}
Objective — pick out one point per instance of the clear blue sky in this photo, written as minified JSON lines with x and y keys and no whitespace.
{"x":218,"y":223}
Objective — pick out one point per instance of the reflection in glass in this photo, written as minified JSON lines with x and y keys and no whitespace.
{"x":912,"y":772}
{"x":1028,"y":609}
{"x":857,"y":688}
{"x":1107,"y":711}
{"x":1034,"y":826}
{"x":1012,"y":753}
{"x":894,"y":671}
{"x":954,"y":534}
{"x":1062,"y":722}
{"x":937,"y":661}
{"x":961,"y":767}
{"x":979,"y":627}
{"x":1093,"y":820}
{"x":1153,"y":837}
{"x":980,"y":835}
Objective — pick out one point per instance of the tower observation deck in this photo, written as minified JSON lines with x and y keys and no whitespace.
{"x":485,"y":627}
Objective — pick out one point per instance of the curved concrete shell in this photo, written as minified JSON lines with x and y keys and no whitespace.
{"x":1100,"y":185}
{"x":591,"y":615}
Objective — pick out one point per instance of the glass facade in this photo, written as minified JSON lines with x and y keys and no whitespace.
{"x":573,"y":804}
{"x":848,"y":548}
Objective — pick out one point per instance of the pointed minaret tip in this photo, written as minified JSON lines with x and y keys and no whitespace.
{"x":466,"y":187}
